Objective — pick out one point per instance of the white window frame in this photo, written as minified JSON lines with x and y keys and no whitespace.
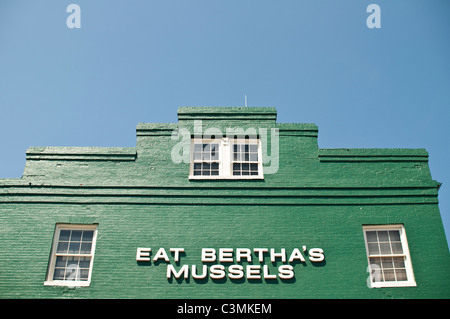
{"x":225,"y":159}
{"x":410,"y":282}
{"x":51,"y":267}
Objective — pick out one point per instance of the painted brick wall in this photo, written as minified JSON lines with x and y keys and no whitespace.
{"x":140,"y":198}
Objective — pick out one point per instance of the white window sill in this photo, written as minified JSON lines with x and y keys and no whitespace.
{"x":392,"y":284}
{"x":67,"y":283}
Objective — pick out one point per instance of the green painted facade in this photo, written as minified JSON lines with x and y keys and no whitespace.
{"x":139,"y":197}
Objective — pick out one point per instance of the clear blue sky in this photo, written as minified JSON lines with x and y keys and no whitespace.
{"x":138,"y":61}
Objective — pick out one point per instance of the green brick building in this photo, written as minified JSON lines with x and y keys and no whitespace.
{"x":226,"y":203}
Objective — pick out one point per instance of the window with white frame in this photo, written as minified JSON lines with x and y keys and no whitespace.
{"x":72,"y":255}
{"x":388,"y":256}
{"x":245,"y":159}
{"x":226,"y":158}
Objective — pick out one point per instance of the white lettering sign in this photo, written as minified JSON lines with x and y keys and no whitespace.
{"x":235,"y":271}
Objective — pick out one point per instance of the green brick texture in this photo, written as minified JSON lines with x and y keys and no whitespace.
{"x":138,"y":197}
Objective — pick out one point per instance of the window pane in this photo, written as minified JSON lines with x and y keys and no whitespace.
{"x":394,"y":235}
{"x":373,"y":249}
{"x":236,"y":153}
{"x":71,"y":260}
{"x":60,"y":262}
{"x":397,"y":248}
{"x":62,"y":247}
{"x":237,"y":169}
{"x":399,"y":262}
{"x":85,"y":248}
{"x":376,"y":261}
{"x":214,"y":156}
{"x":88,"y":235}
{"x":64,"y":235}
{"x":74,"y":248}
{"x":76,"y":235}
{"x":385,"y":248}
{"x":83,"y":274}
{"x":401,"y":274}
{"x":84,"y":262}
{"x":387,"y":263}
{"x":254,"y":148}
{"x":389,"y":275}
{"x":375,"y":265}
{"x":72,"y":272}
{"x":59,"y":274}
{"x":383,"y":236}
{"x":371,"y":236}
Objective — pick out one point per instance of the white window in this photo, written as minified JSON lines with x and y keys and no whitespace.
{"x":226,"y":159}
{"x":72,"y":255}
{"x":388,"y":256}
